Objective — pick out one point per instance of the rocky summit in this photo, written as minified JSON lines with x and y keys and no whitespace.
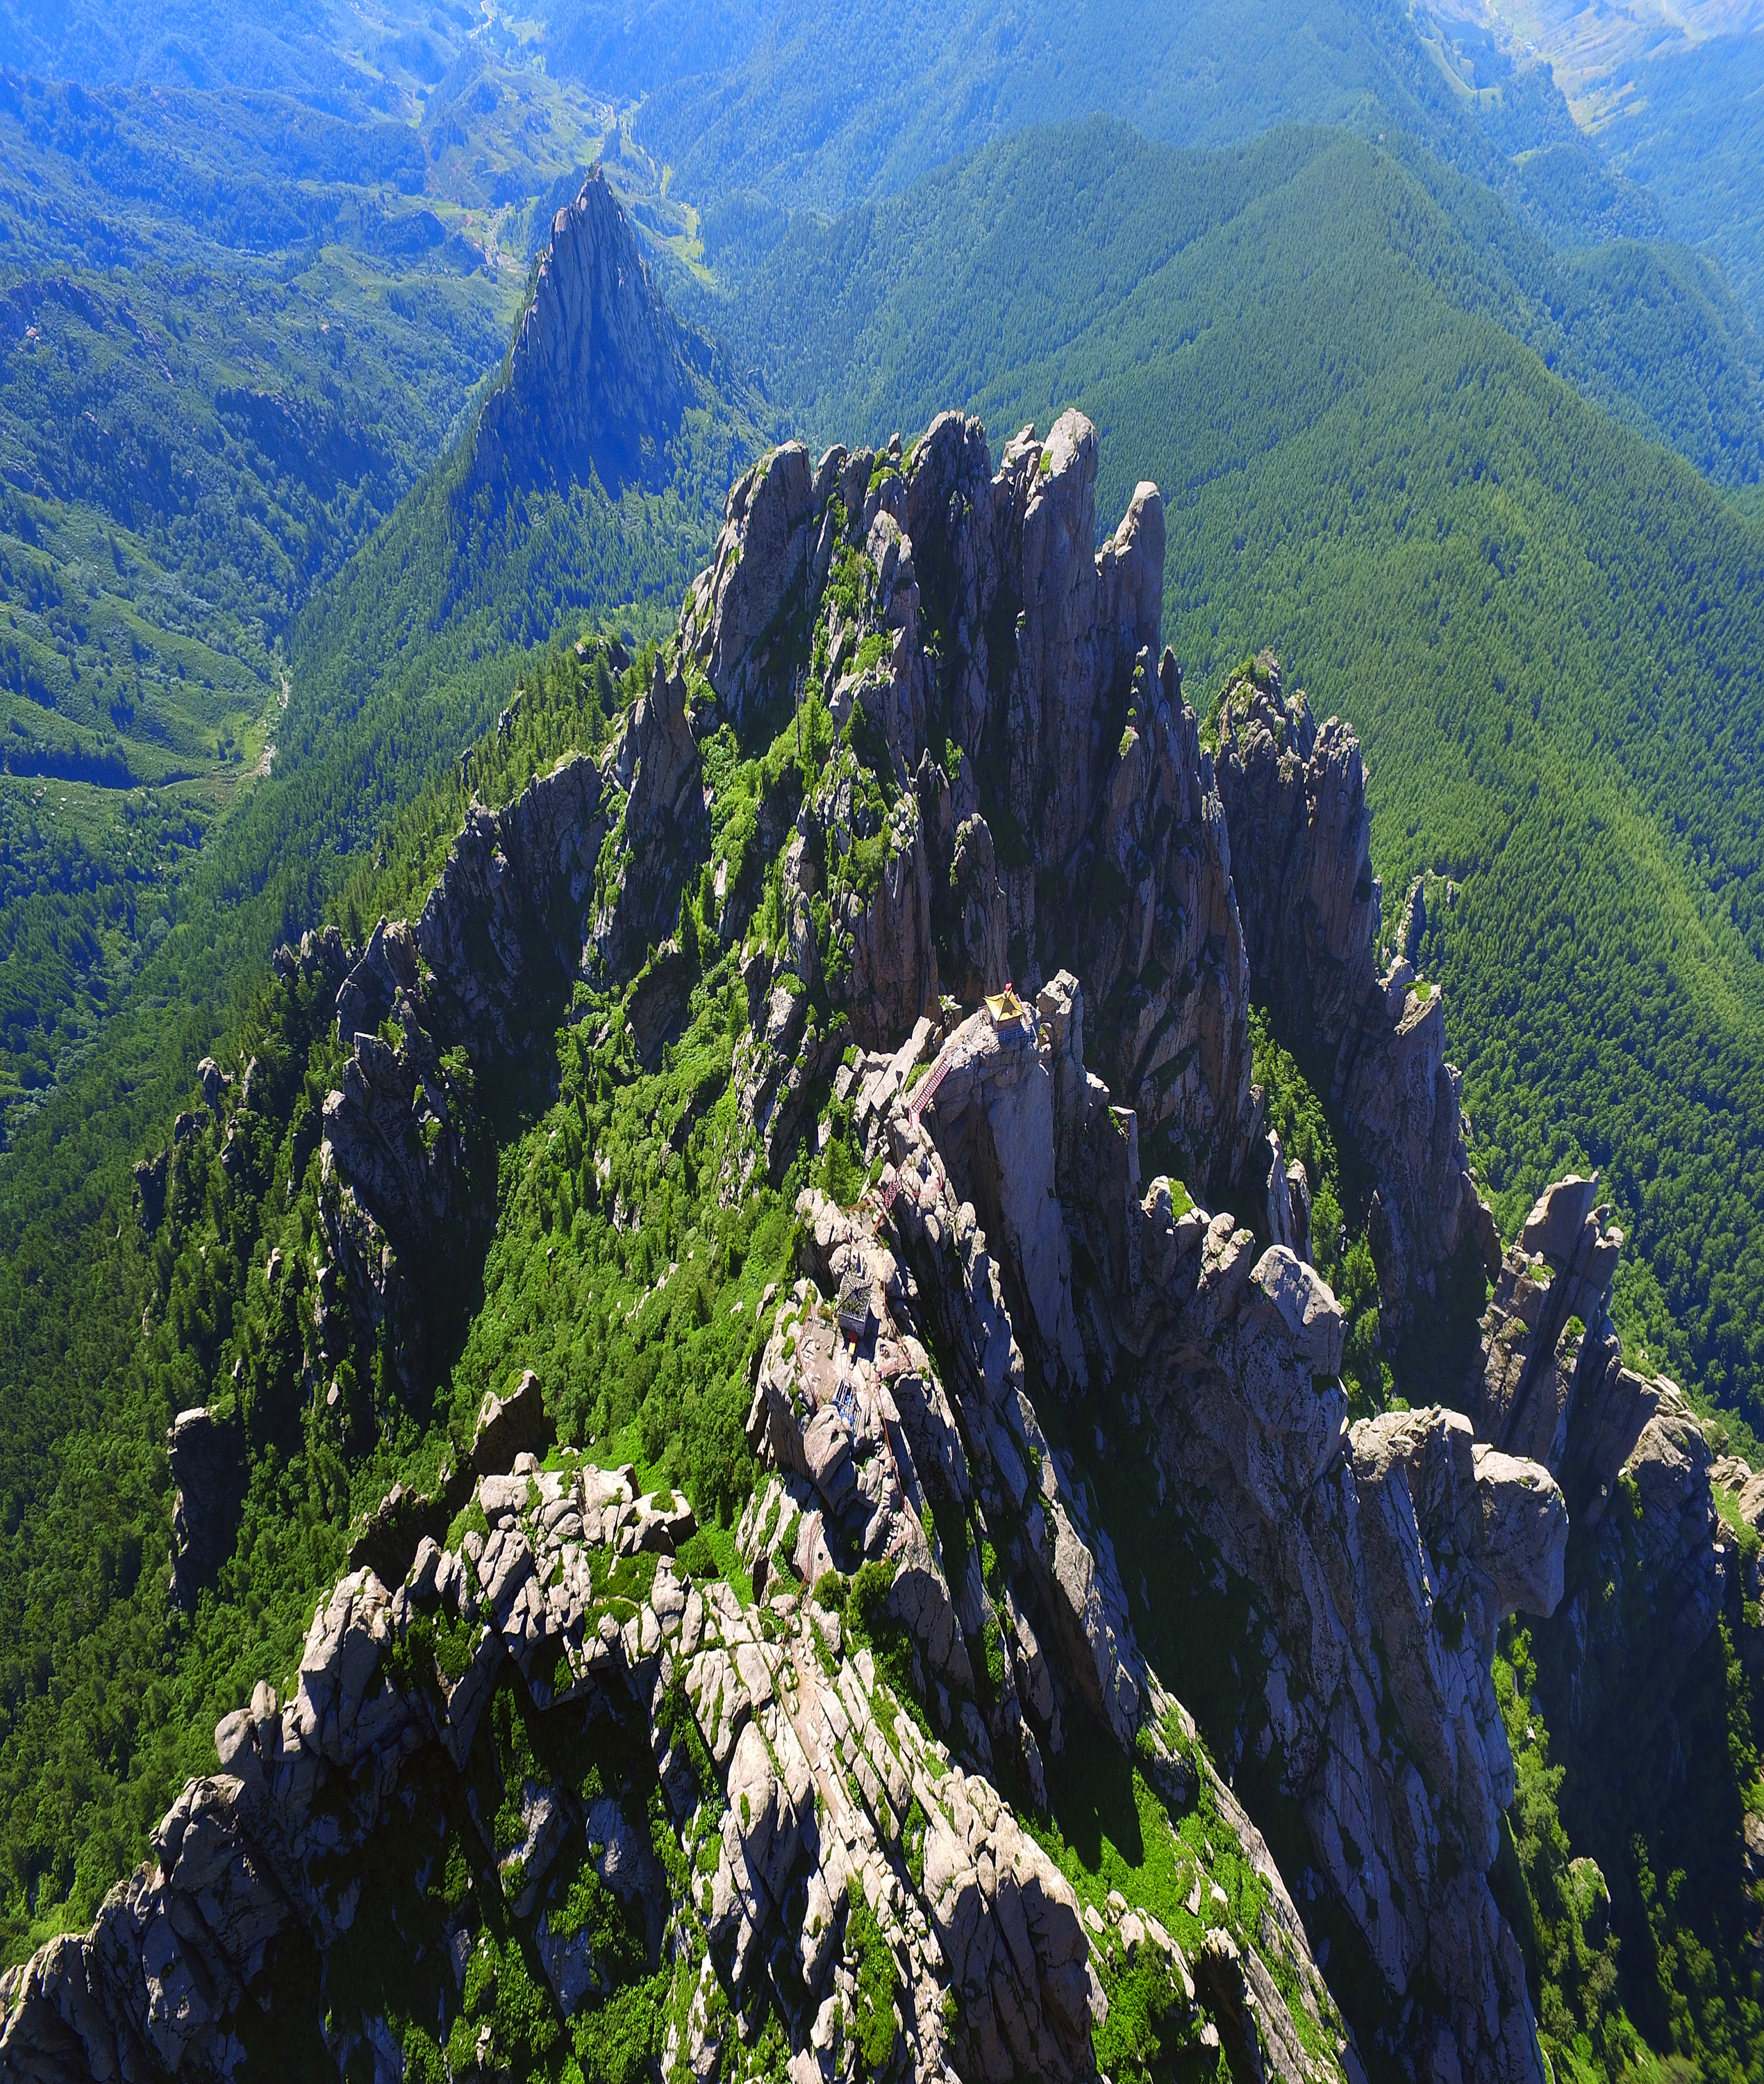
{"x":912,"y":821}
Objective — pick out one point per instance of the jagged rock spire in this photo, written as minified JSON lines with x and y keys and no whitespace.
{"x":1294,"y":793}
{"x":600,"y":371}
{"x":1062,"y":810}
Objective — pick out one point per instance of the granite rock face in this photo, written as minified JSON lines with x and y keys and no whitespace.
{"x":1549,"y":1381}
{"x":967,"y":771}
{"x":516,"y":1424}
{"x":321,"y":963}
{"x":1295,"y":799}
{"x":801,"y":1793}
{"x":1381,"y":1555}
{"x":395,"y":1164}
{"x":580,"y":876}
{"x":657,"y":824}
{"x":739,"y":603}
{"x":1040,"y":799}
{"x":204,"y":1451}
{"x":1744,"y":1487}
{"x":503,"y":923}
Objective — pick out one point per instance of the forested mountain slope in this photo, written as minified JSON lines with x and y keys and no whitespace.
{"x":1670,"y":97}
{"x":289,"y":426}
{"x":831,"y":106}
{"x":242,"y":327}
{"x":1403,"y":439}
{"x":396,"y":667}
{"x":486,"y":548}
{"x":351,"y":58}
{"x":1642,"y":328}
{"x":766,"y":110}
{"x":587,"y":480}
{"x":236,"y":334}
{"x":1692,"y":130}
{"x":325,"y":52}
{"x":1546,"y":629}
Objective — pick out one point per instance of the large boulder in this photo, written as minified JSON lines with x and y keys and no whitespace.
{"x":518,"y":1423}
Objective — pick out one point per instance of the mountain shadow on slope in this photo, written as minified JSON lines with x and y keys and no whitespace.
{"x":590,"y":483}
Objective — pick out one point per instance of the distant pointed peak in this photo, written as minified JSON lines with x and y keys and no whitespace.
{"x":598,"y":376}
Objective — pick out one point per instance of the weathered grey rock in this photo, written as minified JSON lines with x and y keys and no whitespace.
{"x":1294,"y":797}
{"x":396,"y":1183}
{"x":1651,"y":1564}
{"x":1549,"y":1380}
{"x":1555,"y":1222}
{"x":1301,"y":1299}
{"x":655,"y":762}
{"x":215,"y":1083}
{"x":818,"y":1772}
{"x":979,"y":932}
{"x":207,"y":1473}
{"x":512,"y":897}
{"x":389,"y":968}
{"x":761,"y":560}
{"x":1524,"y":1531}
{"x":146,"y":1993}
{"x":1094,"y":779}
{"x":322,"y":956}
{"x":894,"y":978}
{"x":1381,"y":1557}
{"x":510,"y":920}
{"x":1066,"y":832}
{"x":994,"y":1123}
{"x":512,"y":1424}
{"x":151,"y":1175}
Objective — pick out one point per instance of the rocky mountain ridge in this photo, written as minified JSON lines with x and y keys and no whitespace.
{"x":916,"y":744}
{"x":1295,"y":799}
